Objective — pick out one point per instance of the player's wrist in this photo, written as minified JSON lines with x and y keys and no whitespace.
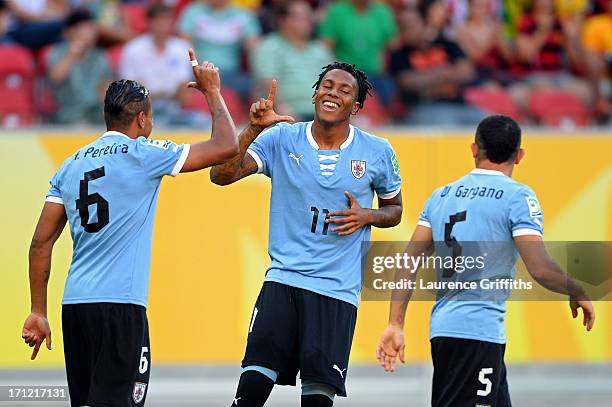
{"x":39,"y":311}
{"x":396,"y":324}
{"x":256,"y":128}
{"x":211,"y":93}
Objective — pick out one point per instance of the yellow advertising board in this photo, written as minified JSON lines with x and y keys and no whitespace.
{"x":210,"y":249}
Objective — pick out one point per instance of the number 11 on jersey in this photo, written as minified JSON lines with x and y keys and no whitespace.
{"x":315,"y":219}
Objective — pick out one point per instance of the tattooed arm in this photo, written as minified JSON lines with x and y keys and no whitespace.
{"x":222,"y":145}
{"x":261,"y":115}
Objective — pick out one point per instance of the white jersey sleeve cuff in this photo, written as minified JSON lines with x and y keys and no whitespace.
{"x":54,"y":199}
{"x":424,"y":223}
{"x":181,"y":161}
{"x":390,"y":194}
{"x":526,"y":232}
{"x":257,"y":160}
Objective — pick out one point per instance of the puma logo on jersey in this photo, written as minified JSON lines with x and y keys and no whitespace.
{"x":235,"y":402}
{"x":297,"y":159}
{"x":341,"y":371}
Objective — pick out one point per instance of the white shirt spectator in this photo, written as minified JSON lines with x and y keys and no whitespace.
{"x":160,"y":71}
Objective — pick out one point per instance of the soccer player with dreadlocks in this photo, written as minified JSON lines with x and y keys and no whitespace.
{"x":324,"y":175}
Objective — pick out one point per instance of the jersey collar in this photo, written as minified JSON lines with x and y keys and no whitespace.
{"x":314,"y":144}
{"x":482,"y":171}
{"x":114,"y":133}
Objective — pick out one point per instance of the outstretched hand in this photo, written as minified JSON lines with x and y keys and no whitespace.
{"x":262,"y":112}
{"x":588,"y":310}
{"x":352,"y":219}
{"x":207,"y":78}
{"x":36,"y":330}
{"x":390,"y":346}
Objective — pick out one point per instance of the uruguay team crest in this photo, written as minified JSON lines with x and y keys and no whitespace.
{"x":358,"y":168}
{"x":139,"y":392}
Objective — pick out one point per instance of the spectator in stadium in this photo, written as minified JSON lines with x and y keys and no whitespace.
{"x":79,"y":72}
{"x":597,"y":41}
{"x":482,"y":38}
{"x":430,"y":72}
{"x":292,"y":58}
{"x":547,"y":49}
{"x":113,"y":28}
{"x":5,"y":18}
{"x":220,"y":33}
{"x":360,"y":32}
{"x":35,"y":23}
{"x":158,"y":60}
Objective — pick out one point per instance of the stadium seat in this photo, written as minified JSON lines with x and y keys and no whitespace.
{"x":558,"y":108}
{"x":195,"y":101}
{"x":114,"y":57}
{"x":16,"y":59}
{"x":17,"y":74}
{"x":135,"y":15}
{"x":11,"y":119}
{"x":41,"y":59}
{"x":373,"y":113}
{"x":492,"y":101}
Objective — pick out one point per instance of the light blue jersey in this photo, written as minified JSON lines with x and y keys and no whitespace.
{"x":484,"y":206}
{"x":109,"y":190}
{"x":308,"y":184}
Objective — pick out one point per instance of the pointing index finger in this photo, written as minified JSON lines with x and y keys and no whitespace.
{"x":272,"y":93}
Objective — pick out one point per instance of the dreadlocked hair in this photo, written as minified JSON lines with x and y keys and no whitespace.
{"x":365,"y":87}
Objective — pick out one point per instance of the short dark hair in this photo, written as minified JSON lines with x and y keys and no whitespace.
{"x":78,"y":16}
{"x":283,"y":9}
{"x":424,"y":6}
{"x":157,"y":9}
{"x":498,"y":138}
{"x":364,"y":85}
{"x":123,"y":101}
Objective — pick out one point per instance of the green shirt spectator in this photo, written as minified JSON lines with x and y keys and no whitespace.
{"x":78,"y":71}
{"x":218,"y":31}
{"x":358,"y":32}
{"x":292,"y":58}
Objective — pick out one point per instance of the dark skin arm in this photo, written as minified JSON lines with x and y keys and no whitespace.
{"x":548,"y":274}
{"x":388,"y":214}
{"x":261,"y":115}
{"x":391,"y":343}
{"x":50,"y":225}
{"x":222,"y":145}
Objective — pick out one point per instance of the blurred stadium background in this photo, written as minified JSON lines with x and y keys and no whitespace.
{"x":436,"y":67}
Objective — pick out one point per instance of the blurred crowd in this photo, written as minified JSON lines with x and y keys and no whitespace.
{"x":429,"y":61}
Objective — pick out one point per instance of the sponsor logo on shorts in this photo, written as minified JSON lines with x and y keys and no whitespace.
{"x":139,"y":391}
{"x":341,"y":371}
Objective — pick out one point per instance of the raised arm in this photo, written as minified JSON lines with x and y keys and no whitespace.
{"x":261,"y":115}
{"x":548,"y":274}
{"x":50,"y":225}
{"x":222,"y":145}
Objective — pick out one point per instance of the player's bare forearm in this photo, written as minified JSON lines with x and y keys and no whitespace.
{"x":421,"y":243}
{"x":223,"y":130}
{"x":544,"y":270}
{"x":389,"y":212}
{"x":242,"y":164}
{"x":222,"y":145}
{"x":48,"y":230}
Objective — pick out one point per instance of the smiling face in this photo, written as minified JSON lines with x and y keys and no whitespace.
{"x":336,"y":98}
